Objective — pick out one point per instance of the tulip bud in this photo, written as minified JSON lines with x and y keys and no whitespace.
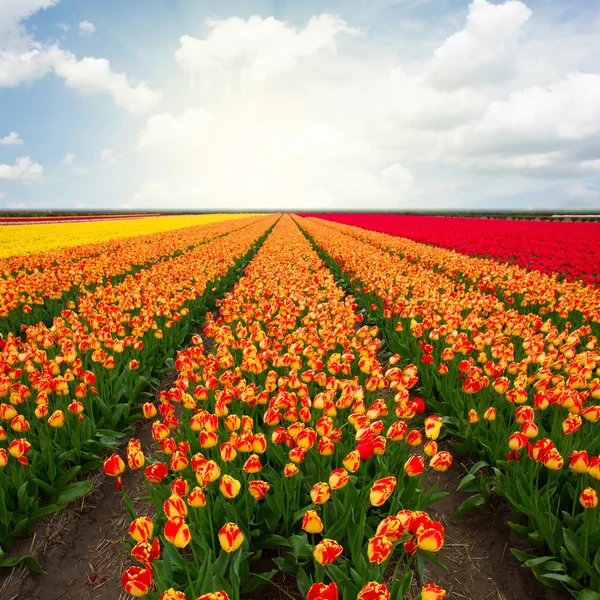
{"x":177,"y":532}
{"x":230,"y":537}
{"x":311,"y":522}
{"x":327,"y":551}
{"x":374,"y":591}
{"x":137,"y":581}
{"x":588,"y":498}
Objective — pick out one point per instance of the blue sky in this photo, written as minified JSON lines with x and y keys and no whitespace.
{"x":354,"y":104}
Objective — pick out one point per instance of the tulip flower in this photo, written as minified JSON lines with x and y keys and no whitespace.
{"x":230,"y":537}
{"x":338,"y":479}
{"x":374,"y":591}
{"x":156,"y":472}
{"x":381,"y":490}
{"x":588,"y":498}
{"x":175,"y":507}
{"x":352,"y":461}
{"x":196,"y":498}
{"x":392,"y":528}
{"x":214,"y":596}
{"x":177,"y":532}
{"x":172,"y":594}
{"x":258,"y":489}
{"x":441,"y":461}
{"x":379,"y":548}
{"x":430,"y":591}
{"x":311,"y":522}
{"x":141,"y":529}
{"x":137,"y":581}
{"x":579,"y":461}
{"x":320,"y":591}
{"x":414,"y":465}
{"x":3,"y":458}
{"x":253,"y":465}
{"x":320,"y":493}
{"x":290,"y":470}
{"x":180,"y":487}
{"x":145,"y":552}
{"x":229,"y":486}
{"x":56,"y":419}
{"x":327,"y":551}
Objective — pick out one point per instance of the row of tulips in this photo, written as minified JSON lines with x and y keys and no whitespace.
{"x":36,"y":287}
{"x":67,"y":390}
{"x":514,"y":388}
{"x":288,"y":445}
{"x":29,"y":245}
{"x":522,"y":289}
{"x":549,"y":247}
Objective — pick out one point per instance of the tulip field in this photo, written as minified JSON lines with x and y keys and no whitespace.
{"x":287,"y":388}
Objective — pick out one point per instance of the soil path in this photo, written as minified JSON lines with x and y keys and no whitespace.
{"x":477,"y":551}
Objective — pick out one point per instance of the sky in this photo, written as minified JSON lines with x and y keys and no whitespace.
{"x":211,"y":105}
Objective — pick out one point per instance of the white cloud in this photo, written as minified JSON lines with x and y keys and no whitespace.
{"x":23,"y":170}
{"x":167,"y":132}
{"x":583,"y":195}
{"x":24,"y":59}
{"x":79,"y":171}
{"x":314,"y":116}
{"x":64,"y":27}
{"x":110,"y":156}
{"x":86,"y":28}
{"x":69,"y":158}
{"x":12,"y":139}
{"x":485,"y":50}
{"x":258,"y":48}
{"x":2,"y":195}
{"x":94,"y":76}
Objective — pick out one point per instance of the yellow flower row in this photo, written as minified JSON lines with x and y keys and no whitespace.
{"x":30,"y":239}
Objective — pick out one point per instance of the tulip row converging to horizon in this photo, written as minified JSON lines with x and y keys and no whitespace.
{"x":299,"y":429}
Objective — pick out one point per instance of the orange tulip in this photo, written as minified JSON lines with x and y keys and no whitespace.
{"x":311,"y":522}
{"x":379,"y":548}
{"x":579,"y":461}
{"x":214,"y":596}
{"x":258,"y":489}
{"x":430,"y":591}
{"x":230,"y":537}
{"x":327,"y":551}
{"x":156,"y":472}
{"x":137,"y":581}
{"x":381,"y":490}
{"x":320,"y":591}
{"x":374,"y":591}
{"x":196,"y":498}
{"x":175,"y":507}
{"x":229,"y":486}
{"x":290,"y":470}
{"x":56,"y":419}
{"x":414,"y":465}
{"x":338,"y":479}
{"x":441,"y":461}
{"x":320,"y":493}
{"x":141,"y":529}
{"x":253,"y":465}
{"x":177,"y":532}
{"x":172,"y":594}
{"x":588,"y":498}
{"x":352,"y":461}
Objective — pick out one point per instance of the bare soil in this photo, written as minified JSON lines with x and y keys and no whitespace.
{"x":477,"y":551}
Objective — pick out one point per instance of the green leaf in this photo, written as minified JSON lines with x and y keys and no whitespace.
{"x":74,"y":491}
{"x":467,"y":506}
{"x":588,"y":594}
{"x":29,"y":561}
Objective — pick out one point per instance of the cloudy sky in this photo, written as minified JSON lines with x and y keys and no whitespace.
{"x":312,"y":104}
